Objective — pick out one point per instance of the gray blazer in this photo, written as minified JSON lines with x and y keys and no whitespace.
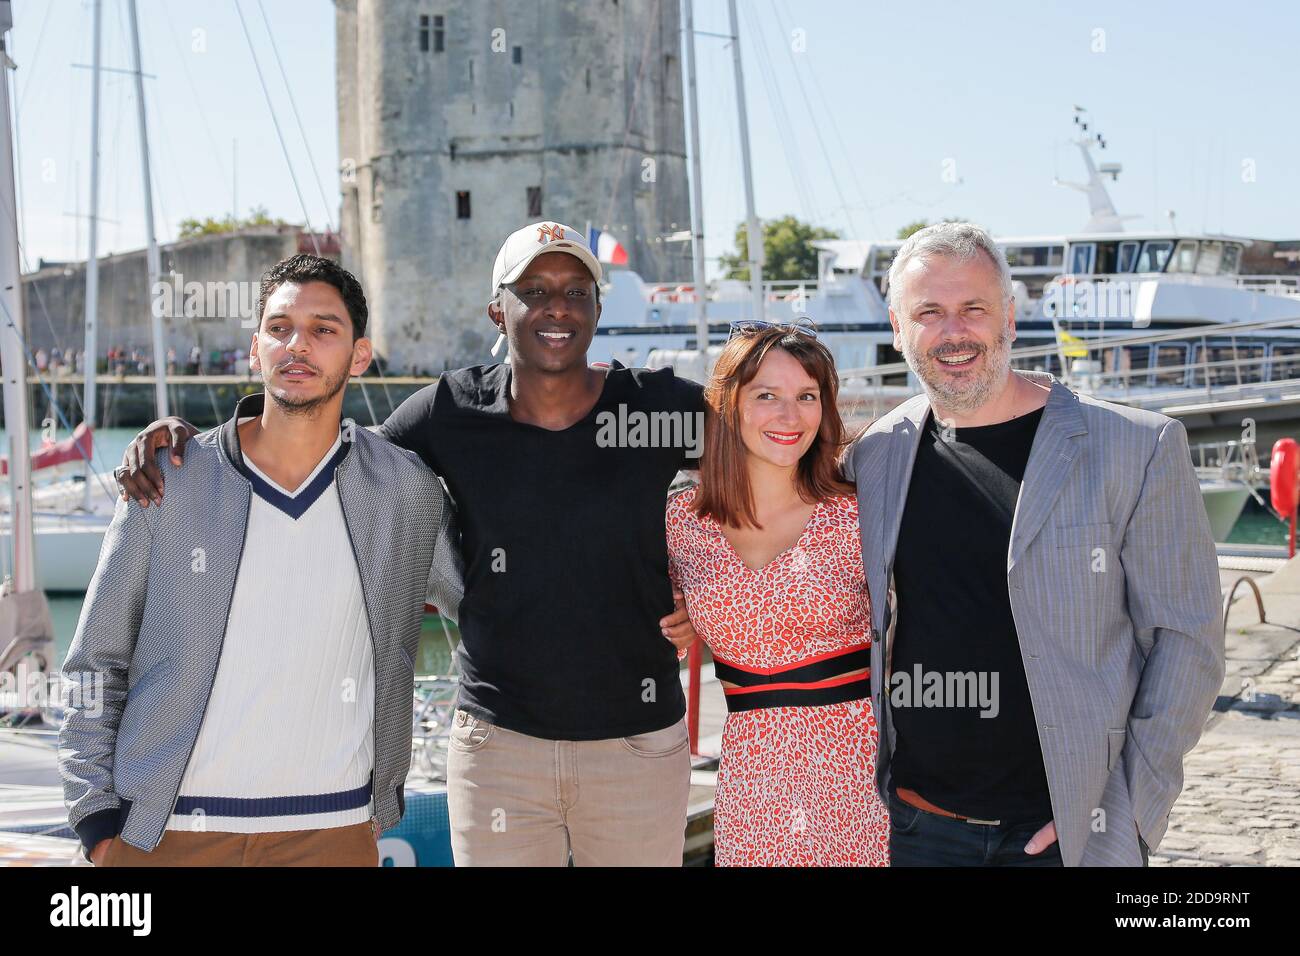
{"x":151,"y":630}
{"x":1114,"y":588}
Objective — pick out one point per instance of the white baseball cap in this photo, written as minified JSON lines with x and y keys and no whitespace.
{"x":524,"y":245}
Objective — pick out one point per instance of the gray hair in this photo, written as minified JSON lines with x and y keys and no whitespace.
{"x":956,"y":240}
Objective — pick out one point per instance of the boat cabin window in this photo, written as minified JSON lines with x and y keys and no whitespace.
{"x":1211,"y":257}
{"x":1231,"y":259}
{"x":1155,"y":254}
{"x":1082,"y":257}
{"x":1228,"y":364}
{"x":1032,"y":257}
{"x":1286,"y":362}
{"x":1173,"y":357}
{"x":1128,"y":256}
{"x":1184,"y":259}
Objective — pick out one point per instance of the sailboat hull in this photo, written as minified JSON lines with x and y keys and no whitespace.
{"x":1224,"y":502}
{"x":67,"y":551}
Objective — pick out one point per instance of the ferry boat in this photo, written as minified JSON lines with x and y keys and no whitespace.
{"x":1200,"y":326}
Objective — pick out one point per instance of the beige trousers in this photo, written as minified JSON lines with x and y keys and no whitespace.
{"x":516,"y":800}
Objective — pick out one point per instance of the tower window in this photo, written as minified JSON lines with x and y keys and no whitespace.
{"x":437,"y":35}
{"x":424,"y":34}
{"x":517,"y":54}
{"x":462,"y":204}
{"x":534,"y":200}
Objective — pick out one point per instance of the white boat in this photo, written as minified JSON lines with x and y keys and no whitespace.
{"x":67,"y":549}
{"x":1224,"y":501}
{"x":69,"y":524}
{"x":1230,"y":474}
{"x":1190,"y":324}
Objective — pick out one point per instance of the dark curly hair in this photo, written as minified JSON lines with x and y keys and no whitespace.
{"x":308,"y":268}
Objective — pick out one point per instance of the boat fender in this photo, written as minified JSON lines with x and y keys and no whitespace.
{"x":1284,"y":476}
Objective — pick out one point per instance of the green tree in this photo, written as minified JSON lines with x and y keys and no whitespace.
{"x":257,"y":216}
{"x":787,"y":247}
{"x":905,"y":232}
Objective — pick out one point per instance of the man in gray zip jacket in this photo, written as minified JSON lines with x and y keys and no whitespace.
{"x":281,"y":586}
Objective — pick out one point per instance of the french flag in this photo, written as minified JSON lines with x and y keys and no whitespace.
{"x":607,"y":248}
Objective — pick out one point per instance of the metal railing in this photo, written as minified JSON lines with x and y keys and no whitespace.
{"x":1271,"y":285}
{"x":877,"y":373}
{"x":1245,"y":372}
{"x":434,"y":705}
{"x":1235,"y":461}
{"x":782,"y":290}
{"x":1283,"y":285}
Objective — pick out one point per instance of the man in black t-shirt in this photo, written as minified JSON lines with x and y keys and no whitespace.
{"x":564,"y":552}
{"x":570,"y":734}
{"x":1056,"y":645}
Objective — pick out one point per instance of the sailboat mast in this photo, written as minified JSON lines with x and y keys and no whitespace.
{"x":697,"y":191}
{"x":92,"y":261}
{"x":13,"y":355}
{"x":151,"y":247}
{"x":754,"y":233}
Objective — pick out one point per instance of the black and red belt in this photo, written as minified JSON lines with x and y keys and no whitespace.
{"x":812,"y":682}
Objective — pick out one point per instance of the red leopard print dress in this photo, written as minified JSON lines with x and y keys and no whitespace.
{"x":796,"y":784}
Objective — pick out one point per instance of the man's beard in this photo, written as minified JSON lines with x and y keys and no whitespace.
{"x":309,"y":406}
{"x":972,"y":392}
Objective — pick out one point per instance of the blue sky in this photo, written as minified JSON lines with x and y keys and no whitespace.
{"x":855,"y":118}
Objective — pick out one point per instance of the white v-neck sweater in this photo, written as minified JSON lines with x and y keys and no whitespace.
{"x":287,"y":741}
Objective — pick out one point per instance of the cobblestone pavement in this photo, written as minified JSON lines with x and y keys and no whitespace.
{"x":1240,"y":805}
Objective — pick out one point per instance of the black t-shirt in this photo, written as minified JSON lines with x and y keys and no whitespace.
{"x":954,"y":618}
{"x":566,"y":562}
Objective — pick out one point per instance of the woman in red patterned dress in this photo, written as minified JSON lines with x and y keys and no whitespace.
{"x":767,"y":551}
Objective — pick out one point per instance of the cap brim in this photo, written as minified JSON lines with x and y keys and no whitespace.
{"x":578,"y":251}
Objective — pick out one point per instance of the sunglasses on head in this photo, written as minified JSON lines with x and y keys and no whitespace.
{"x":803,"y":325}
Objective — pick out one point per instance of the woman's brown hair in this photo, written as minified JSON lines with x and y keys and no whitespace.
{"x":725,"y":493}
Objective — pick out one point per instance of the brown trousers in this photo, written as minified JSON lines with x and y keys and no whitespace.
{"x":355,"y":845}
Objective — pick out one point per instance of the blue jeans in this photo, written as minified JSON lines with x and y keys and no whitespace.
{"x":920,"y":838}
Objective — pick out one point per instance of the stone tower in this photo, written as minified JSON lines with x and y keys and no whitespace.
{"x":462,"y":120}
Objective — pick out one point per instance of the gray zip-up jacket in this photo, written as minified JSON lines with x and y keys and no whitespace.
{"x":142,"y":664}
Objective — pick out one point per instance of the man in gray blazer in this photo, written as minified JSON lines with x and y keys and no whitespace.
{"x":1044,"y":590}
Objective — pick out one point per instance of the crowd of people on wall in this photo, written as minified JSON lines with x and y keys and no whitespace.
{"x":123,"y":361}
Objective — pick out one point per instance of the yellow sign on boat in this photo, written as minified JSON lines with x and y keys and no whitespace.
{"x":1071,"y":346}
